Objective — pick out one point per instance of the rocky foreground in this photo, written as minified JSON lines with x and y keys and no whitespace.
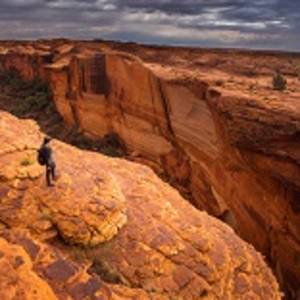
{"x":111,"y":229}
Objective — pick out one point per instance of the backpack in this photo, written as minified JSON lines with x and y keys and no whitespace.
{"x":41,"y":157}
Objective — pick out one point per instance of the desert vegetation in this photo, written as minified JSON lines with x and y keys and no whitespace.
{"x":33,"y":98}
{"x":27,"y":161}
{"x":279,"y":82}
{"x":30,"y":96}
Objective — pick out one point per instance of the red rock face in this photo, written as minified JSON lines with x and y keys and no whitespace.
{"x":233,"y":144}
{"x":123,"y":232}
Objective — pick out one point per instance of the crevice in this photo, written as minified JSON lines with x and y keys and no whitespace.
{"x":166,"y":108}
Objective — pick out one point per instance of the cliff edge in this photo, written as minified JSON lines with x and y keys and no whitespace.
{"x":139,"y":238}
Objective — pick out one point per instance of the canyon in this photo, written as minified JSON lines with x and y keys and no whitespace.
{"x":111,"y":229}
{"x":207,"y":121}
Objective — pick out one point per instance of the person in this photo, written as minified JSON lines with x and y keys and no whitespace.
{"x":45,"y":157}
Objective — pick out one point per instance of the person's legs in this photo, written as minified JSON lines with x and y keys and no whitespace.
{"x":48,"y":173}
{"x":53,"y":167}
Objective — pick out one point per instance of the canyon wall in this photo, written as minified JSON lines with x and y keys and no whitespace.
{"x":237,"y":155}
{"x":111,"y":229}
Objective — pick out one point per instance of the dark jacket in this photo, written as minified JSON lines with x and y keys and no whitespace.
{"x":47,"y":153}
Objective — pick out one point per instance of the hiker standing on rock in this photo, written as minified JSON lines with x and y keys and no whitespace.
{"x":45,"y":158}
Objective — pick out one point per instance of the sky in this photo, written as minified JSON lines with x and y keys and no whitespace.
{"x":260,"y":24}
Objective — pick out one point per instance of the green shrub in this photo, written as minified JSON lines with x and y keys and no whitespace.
{"x":33,"y":95}
{"x":110,"y":151}
{"x":11,"y":79}
{"x":279,"y":82}
{"x":27,"y":161}
{"x":106,"y":272}
{"x":112,"y":145}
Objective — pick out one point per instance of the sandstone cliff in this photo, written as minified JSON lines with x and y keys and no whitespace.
{"x":143,"y":240}
{"x":207,"y":121}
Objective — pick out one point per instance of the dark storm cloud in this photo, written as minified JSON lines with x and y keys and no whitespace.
{"x":216,"y":23}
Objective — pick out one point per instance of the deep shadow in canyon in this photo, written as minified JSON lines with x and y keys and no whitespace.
{"x":33,"y":100}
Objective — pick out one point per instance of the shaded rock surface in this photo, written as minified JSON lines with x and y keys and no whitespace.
{"x":140,"y":238}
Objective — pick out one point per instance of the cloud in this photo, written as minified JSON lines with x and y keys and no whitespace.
{"x":216,"y":23}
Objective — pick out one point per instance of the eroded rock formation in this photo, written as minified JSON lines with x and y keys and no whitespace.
{"x":133,"y":227}
{"x":34,"y":270}
{"x":206,"y":120}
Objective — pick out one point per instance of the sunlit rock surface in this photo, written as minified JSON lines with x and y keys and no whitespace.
{"x":143,"y":240}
